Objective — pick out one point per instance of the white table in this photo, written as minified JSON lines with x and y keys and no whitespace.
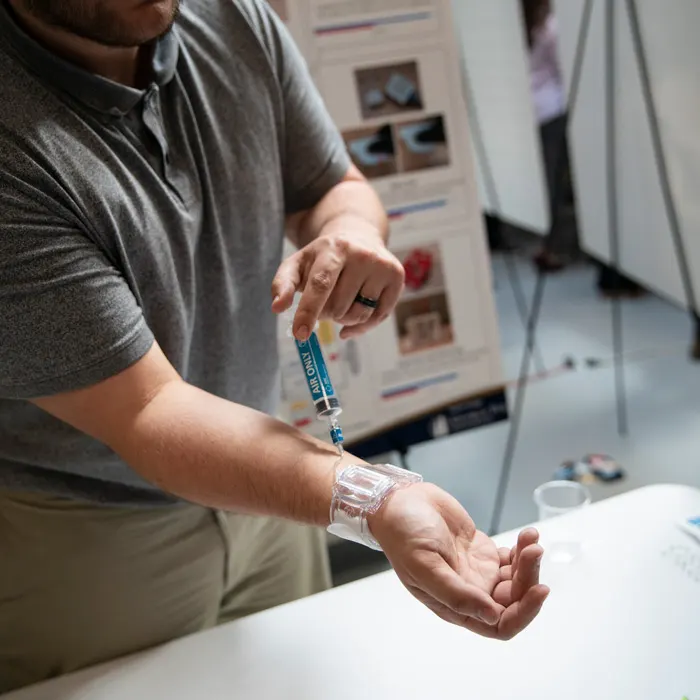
{"x":622,"y":622}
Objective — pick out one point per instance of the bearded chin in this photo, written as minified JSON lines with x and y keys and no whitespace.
{"x":100,"y":22}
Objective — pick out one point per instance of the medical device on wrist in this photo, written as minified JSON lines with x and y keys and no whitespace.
{"x":360,"y":491}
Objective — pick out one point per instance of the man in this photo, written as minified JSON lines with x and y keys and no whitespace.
{"x":146,"y":177}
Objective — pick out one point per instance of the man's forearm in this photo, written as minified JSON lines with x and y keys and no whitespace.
{"x":350,"y":199}
{"x":224,"y":455}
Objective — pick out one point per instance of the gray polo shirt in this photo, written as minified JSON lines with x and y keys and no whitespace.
{"x":128,"y":215}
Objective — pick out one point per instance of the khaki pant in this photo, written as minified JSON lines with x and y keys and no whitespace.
{"x":80,"y":583}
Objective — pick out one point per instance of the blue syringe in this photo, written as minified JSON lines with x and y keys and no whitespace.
{"x":318,"y":380}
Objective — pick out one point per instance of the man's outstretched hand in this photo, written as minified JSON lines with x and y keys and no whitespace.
{"x":456,"y":570}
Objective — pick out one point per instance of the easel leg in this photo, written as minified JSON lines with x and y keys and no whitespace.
{"x":521,"y":304}
{"x":613,"y":217}
{"x":664,"y":180}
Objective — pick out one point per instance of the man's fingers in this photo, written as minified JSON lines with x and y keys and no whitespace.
{"x":504,"y":556}
{"x":446,"y":586}
{"x":502,"y":594}
{"x":515,"y":618}
{"x":319,"y":284}
{"x":506,"y":573}
{"x":525,"y":539}
{"x":527,"y":574}
{"x":520,"y":579}
{"x":286,"y":282}
{"x":387,"y":302}
{"x":342,"y":301}
{"x":519,"y":615}
{"x":373,"y":288}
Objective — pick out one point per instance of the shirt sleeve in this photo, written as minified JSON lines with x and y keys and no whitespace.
{"x":68,"y":319}
{"x":315,"y":157}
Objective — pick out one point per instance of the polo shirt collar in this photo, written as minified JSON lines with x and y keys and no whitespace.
{"x":93,"y":90}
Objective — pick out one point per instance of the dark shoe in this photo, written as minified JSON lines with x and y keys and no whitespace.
{"x":613,"y":285}
{"x":695,"y":347}
{"x":548,"y":262}
{"x":637,"y":293}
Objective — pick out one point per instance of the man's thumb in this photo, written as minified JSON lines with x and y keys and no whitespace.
{"x":286,"y":283}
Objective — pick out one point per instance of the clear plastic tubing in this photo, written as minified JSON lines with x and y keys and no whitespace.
{"x":318,"y":380}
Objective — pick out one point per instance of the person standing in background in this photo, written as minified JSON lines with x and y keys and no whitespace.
{"x":549,"y":96}
{"x":550,"y":108}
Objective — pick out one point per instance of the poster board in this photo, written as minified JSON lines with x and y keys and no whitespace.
{"x":495,"y":65}
{"x":646,"y":245}
{"x":390,"y":75}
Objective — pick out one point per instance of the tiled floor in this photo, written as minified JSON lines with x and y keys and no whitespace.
{"x":572,"y":414}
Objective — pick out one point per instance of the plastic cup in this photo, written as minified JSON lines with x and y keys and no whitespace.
{"x":557,"y":498}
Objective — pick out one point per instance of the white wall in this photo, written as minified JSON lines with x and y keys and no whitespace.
{"x":495,"y":58}
{"x":669,"y":31}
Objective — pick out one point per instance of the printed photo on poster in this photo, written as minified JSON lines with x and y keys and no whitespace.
{"x":373,"y":150}
{"x":424,"y":323}
{"x":422,"y":144}
{"x":423,"y":318}
{"x":280,"y":7}
{"x":389,"y":89}
{"x":424,"y":270}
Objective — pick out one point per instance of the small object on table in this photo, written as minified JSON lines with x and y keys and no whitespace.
{"x":573,"y":470}
{"x":692,"y":526}
{"x":566,"y":471}
{"x":604,"y":467}
{"x":592,"y":468}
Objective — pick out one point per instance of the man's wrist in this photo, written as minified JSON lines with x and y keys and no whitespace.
{"x":334,"y":464}
{"x":359,"y":493}
{"x":353,"y":201}
{"x":351,"y":222}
